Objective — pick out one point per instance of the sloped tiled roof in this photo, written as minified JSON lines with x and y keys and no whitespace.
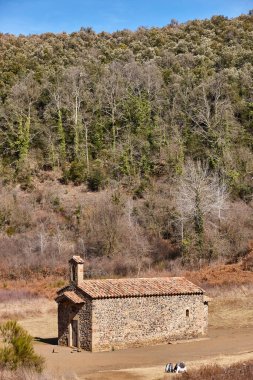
{"x":71,"y":296}
{"x":137,"y":287}
{"x":77,"y":259}
{"x":65,"y":287}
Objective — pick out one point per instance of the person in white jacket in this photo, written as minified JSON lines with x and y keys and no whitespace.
{"x":180,"y":368}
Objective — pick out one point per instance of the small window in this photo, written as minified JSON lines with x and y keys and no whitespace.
{"x":72,"y":273}
{"x":187,"y":313}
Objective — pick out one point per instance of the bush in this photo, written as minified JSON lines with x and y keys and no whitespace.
{"x":77,"y":172}
{"x":18,"y":349}
{"x":95,"y":181}
{"x":24,"y":176}
{"x":139,"y":191}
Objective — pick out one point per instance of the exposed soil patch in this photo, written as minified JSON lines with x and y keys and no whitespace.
{"x":225,"y":346}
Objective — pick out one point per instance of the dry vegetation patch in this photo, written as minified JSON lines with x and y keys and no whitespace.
{"x":234,"y":372}
{"x":231,"y":291}
{"x":36,"y":285}
{"x":24,"y":374}
{"x":231,"y":306}
{"x":20,"y":304}
{"x":221,"y":275}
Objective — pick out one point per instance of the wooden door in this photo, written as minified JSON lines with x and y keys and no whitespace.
{"x":74,"y":325}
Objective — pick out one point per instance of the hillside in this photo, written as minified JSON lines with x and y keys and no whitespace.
{"x":133,"y":149}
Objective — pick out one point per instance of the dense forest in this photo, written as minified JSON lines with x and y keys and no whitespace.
{"x":157,"y":123}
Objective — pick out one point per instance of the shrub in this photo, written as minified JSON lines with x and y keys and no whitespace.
{"x":77,"y":172}
{"x":140,"y":190}
{"x":247,"y":262}
{"x":24,"y":177}
{"x":18,"y":349}
{"x":95,"y":181}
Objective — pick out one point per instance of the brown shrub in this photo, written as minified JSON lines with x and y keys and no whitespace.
{"x":247,"y":262}
{"x":234,"y":372}
{"x":15,"y":214}
{"x":236,"y":229}
{"x":220,"y":275}
{"x":24,"y":374}
{"x":109,"y":229}
{"x":41,"y":230}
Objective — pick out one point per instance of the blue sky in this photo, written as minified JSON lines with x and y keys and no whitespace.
{"x":38,"y":16}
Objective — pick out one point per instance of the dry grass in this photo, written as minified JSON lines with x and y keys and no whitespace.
{"x":22,"y":308}
{"x":237,"y":371}
{"x":231,"y":307}
{"x":13,"y":295}
{"x":231,"y":290}
{"x":25,"y":374}
{"x":36,"y":285}
{"x":212,"y":365}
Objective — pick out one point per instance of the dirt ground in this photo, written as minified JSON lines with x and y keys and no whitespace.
{"x":223,"y":346}
{"x":230,"y":339}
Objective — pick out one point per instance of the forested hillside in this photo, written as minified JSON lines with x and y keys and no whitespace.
{"x":159,"y":120}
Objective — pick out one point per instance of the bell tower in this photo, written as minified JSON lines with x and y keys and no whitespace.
{"x":76,"y":270}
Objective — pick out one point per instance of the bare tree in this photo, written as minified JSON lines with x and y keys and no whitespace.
{"x":56,"y":91}
{"x":209,"y":110}
{"x":111,"y":91}
{"x":19,"y":112}
{"x":199,"y":194}
{"x":74,"y":83}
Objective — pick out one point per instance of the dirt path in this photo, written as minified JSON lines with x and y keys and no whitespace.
{"x":224,"y":346}
{"x":156,"y":373}
{"x":230,"y":340}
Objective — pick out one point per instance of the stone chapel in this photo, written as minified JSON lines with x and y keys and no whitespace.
{"x":108,"y":314}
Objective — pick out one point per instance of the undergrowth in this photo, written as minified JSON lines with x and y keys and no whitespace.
{"x":237,"y":371}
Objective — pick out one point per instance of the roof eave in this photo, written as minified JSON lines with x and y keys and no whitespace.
{"x":63,"y":289}
{"x":65,"y":297}
{"x":93,"y":297}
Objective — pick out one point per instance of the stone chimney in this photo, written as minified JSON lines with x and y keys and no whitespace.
{"x":76,"y":270}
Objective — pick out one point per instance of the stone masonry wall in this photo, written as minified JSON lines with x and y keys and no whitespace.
{"x":68,"y":311}
{"x":85,"y":326}
{"x":137,"y":321}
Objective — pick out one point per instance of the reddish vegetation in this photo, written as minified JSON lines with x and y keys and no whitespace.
{"x":40,"y":286}
{"x":247,"y":262}
{"x":43,"y":284}
{"x":45,"y":281}
{"x":233,"y":274}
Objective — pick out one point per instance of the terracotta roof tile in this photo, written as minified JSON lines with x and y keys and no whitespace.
{"x":134,"y":287}
{"x":71,"y":296}
{"x":77,"y":259}
{"x":62,"y":289}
